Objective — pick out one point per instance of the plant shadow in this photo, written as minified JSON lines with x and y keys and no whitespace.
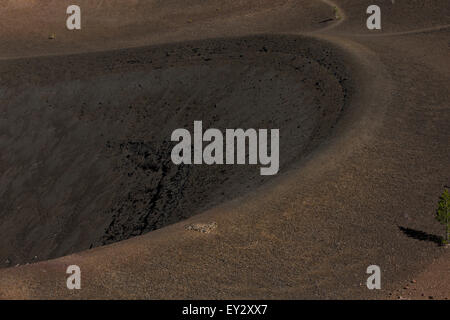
{"x":421,"y":235}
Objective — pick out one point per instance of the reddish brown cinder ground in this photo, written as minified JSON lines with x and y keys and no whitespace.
{"x":85,"y":117}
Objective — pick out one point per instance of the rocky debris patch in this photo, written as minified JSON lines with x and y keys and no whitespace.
{"x":202,"y":227}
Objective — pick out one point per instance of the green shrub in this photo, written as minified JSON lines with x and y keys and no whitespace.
{"x":443,"y":213}
{"x":337,"y":15}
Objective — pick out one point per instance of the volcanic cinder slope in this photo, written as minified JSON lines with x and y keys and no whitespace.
{"x":85,"y":124}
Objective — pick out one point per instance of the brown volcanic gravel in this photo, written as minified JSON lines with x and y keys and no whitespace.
{"x":364,"y":152}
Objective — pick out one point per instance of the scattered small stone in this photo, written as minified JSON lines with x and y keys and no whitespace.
{"x":202,"y":227}
{"x":52,"y":36}
{"x":413,"y":281}
{"x":430,"y":297}
{"x":7,"y":261}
